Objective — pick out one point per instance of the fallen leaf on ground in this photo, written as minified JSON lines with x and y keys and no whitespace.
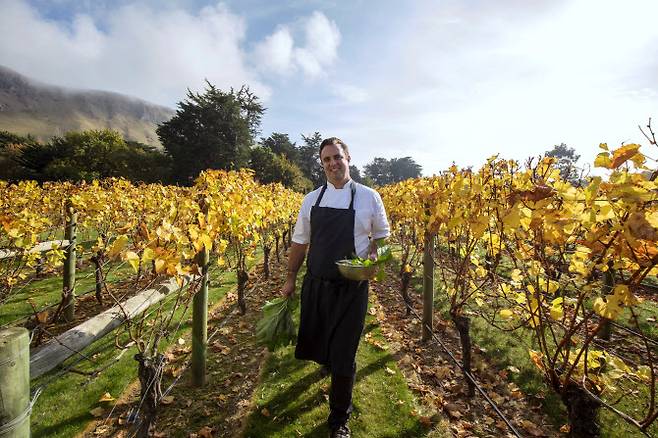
{"x":102,"y":430}
{"x":425,"y":421}
{"x":107,"y":397}
{"x":453,"y":410}
{"x":531,"y":428}
{"x":97,"y":412}
{"x":205,"y":432}
{"x":442,"y":372}
{"x":167,"y":400}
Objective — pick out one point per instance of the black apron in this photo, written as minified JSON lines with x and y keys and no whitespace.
{"x":333,"y":309}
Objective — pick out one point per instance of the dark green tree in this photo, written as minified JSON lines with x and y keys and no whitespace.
{"x":379,"y":171}
{"x":309,"y":159}
{"x":281,"y":144}
{"x":383,"y":171}
{"x":404,"y":168}
{"x":211,"y":130}
{"x":566,"y":162}
{"x":10,"y":149}
{"x":271,"y":167}
{"x":355,"y":174}
{"x":92,"y":155}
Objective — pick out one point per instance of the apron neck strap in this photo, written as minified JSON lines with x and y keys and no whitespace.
{"x":353,"y":190}
{"x":324,"y":187}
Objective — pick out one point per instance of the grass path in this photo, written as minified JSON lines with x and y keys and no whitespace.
{"x":252,"y":393}
{"x":292,"y":399}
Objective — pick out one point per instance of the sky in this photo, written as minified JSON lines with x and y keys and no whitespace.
{"x":441,"y":81}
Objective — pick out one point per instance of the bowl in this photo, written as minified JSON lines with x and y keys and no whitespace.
{"x":356,"y":272}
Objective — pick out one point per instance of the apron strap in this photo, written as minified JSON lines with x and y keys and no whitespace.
{"x":324,"y":187}
{"x":353,"y":187}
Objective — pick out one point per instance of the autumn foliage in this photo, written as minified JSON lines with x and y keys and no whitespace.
{"x":529,"y":251}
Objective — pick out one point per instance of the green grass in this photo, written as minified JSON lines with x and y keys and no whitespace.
{"x":48,"y":291}
{"x":63,"y":408}
{"x":296,"y":397}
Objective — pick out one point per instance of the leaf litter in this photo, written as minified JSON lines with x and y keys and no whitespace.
{"x":439,"y":383}
{"x":233,"y":366}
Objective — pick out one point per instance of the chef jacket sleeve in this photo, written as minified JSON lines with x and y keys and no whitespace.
{"x":302,"y":232}
{"x":380,"y":227}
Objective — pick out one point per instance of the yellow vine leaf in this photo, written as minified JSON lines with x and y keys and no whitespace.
{"x":117,"y":246}
{"x":623,"y":154}
{"x":608,"y":308}
{"x":133,"y":259}
{"x":506,"y":314}
{"x":602,"y":160}
{"x":536,"y":358}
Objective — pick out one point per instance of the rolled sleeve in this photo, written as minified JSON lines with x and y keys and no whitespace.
{"x":380,"y":226}
{"x":302,"y":231}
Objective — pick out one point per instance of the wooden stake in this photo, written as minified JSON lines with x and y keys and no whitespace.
{"x":14,"y":383}
{"x":69,"y":264}
{"x":200,"y":325}
{"x":428,"y":289}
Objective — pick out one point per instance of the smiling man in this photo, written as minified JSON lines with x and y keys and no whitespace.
{"x":337,"y":221}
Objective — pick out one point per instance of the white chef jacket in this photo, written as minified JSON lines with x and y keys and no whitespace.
{"x":370,"y":217}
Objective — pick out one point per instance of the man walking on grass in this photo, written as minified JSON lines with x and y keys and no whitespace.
{"x":337,"y":221}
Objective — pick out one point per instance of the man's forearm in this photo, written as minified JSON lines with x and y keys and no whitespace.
{"x":296,"y":258}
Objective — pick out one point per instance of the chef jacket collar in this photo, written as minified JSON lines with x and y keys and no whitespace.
{"x":346,"y":186}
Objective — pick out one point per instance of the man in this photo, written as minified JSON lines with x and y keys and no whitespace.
{"x":339,"y":220}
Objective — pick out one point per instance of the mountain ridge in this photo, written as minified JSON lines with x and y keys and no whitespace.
{"x":28,"y":106}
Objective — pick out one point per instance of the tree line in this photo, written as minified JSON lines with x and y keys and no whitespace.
{"x":213,"y":129}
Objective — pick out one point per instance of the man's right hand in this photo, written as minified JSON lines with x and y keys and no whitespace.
{"x":288,"y":289}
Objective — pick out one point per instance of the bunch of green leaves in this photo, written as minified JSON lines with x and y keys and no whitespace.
{"x":384,"y":255}
{"x":276,"y":327}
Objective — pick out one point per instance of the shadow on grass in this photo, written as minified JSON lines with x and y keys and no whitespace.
{"x":503,"y":351}
{"x":300,"y":398}
{"x":73,"y":422}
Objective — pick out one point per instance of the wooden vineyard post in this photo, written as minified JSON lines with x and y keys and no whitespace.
{"x":200,"y":325}
{"x":15,"y":404}
{"x":200,"y":315}
{"x":428,"y":288}
{"x":69,"y":263}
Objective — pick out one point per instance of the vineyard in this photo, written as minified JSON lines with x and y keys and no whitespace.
{"x":536,"y":257}
{"x":564,"y":272}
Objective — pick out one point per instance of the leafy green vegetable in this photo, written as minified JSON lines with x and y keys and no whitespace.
{"x":383,"y":255}
{"x":276,"y":327}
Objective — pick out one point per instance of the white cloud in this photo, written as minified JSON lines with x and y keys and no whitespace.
{"x":514,"y":79}
{"x":155,"y":54}
{"x":322,"y":38}
{"x":280,"y":53}
{"x":274,"y":53}
{"x":351,"y":93}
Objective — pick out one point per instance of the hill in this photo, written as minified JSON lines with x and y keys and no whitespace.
{"x":31,"y":107}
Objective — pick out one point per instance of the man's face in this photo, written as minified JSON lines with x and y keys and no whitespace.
{"x":335,"y":163}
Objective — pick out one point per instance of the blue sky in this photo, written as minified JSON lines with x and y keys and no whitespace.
{"x":440,"y":81}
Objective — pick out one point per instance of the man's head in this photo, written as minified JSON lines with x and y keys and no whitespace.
{"x":335,"y":159}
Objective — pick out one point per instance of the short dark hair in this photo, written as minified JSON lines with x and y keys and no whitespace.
{"x":334,"y":141}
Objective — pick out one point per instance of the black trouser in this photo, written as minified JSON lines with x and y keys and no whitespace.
{"x":340,"y":399}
